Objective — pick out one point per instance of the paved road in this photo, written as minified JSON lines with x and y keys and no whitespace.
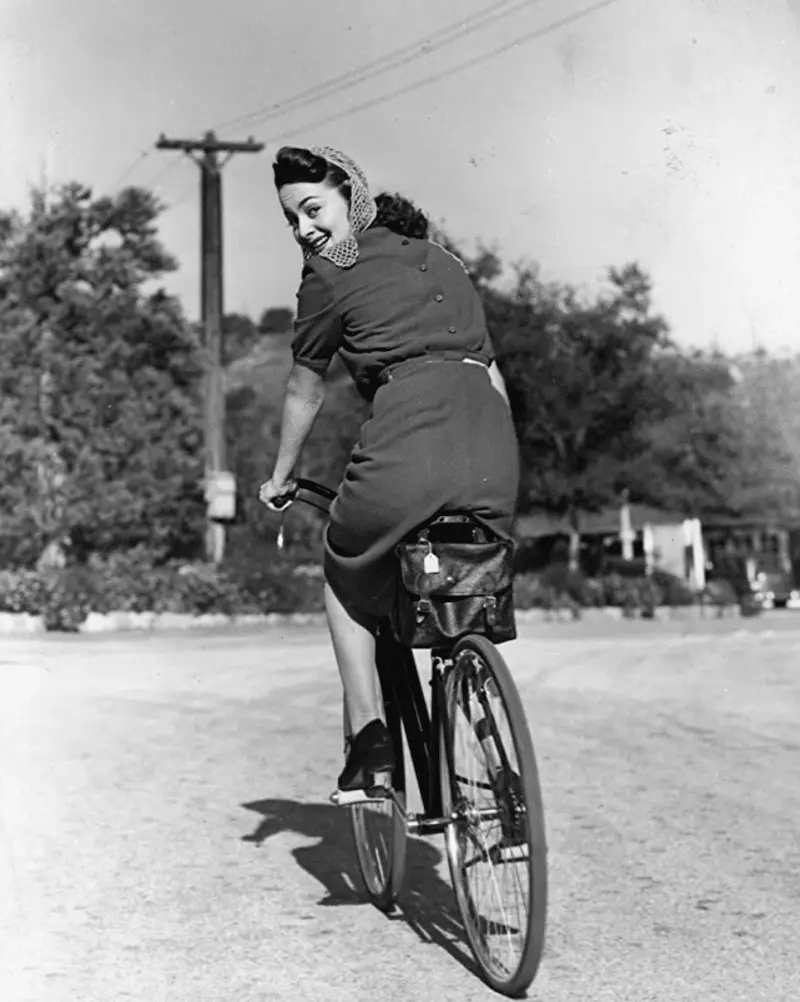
{"x":164,"y":831}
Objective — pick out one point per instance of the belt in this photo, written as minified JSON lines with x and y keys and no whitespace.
{"x":410,"y":365}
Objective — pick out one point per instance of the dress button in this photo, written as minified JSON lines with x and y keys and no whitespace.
{"x":423,"y":267}
{"x":439,"y":297}
{"x":405,"y":242}
{"x":451,"y":330}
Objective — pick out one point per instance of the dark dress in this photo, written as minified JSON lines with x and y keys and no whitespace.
{"x":438,"y":437}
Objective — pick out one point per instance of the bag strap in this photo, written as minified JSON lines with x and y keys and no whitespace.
{"x":457,"y":519}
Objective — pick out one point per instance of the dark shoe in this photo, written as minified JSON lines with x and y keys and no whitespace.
{"x":370,"y":751}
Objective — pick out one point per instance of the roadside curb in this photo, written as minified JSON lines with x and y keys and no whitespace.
{"x":124,"y":622}
{"x":20,"y":623}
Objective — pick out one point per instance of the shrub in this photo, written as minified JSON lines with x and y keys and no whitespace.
{"x":573,"y":585}
{"x":69,"y":596}
{"x":648,"y":597}
{"x":720,"y":592}
{"x":733,"y":570}
{"x":22,"y":591}
{"x":265,"y":580}
{"x":63,"y":597}
{"x":134,"y":581}
{"x":620,"y":592}
{"x":750,"y":606}
{"x":275,"y":581}
{"x":531,"y":593}
{"x":675,"y":590}
{"x":558,"y":587}
{"x":611,"y":564}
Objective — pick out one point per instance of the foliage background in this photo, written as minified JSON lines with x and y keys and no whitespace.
{"x":100,"y":392}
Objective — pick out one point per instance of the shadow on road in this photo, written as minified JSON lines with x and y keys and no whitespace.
{"x":427,"y":903}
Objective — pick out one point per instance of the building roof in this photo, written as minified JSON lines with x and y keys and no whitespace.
{"x":606,"y":522}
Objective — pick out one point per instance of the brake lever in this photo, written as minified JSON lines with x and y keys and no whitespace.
{"x":282,"y":504}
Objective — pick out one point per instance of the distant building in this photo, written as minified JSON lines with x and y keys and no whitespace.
{"x":668,"y":540}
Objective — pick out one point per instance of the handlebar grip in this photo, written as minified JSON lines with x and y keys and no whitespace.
{"x":282,"y":501}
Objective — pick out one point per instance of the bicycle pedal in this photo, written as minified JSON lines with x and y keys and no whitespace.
{"x":349,"y":798}
{"x":509,"y":854}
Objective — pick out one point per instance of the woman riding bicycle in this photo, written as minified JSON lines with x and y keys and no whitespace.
{"x":439,"y":436}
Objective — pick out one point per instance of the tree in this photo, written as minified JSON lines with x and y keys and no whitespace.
{"x":100,"y":428}
{"x":703,"y":456}
{"x":767,"y":389}
{"x":239,"y":336}
{"x":276,"y":320}
{"x":603,"y":401}
{"x":582,"y":378}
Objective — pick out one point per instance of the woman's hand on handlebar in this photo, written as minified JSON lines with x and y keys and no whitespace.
{"x":277,"y":494}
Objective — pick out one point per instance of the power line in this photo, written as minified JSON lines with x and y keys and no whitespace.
{"x":173,"y":162}
{"x":164,"y":170}
{"x":393,"y":60}
{"x":450,"y":71}
{"x":169,"y":205}
{"x":181,"y":198}
{"x":132,"y":166}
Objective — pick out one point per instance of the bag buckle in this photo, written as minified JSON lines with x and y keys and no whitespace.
{"x":423,"y":609}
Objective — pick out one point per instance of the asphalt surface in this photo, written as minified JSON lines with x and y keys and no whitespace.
{"x":165,"y":832}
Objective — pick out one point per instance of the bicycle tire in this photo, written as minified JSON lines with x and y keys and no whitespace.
{"x":478,"y":685}
{"x":380,"y":834}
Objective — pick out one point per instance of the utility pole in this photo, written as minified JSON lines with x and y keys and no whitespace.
{"x":220,"y":489}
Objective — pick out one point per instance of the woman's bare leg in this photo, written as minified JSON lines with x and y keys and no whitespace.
{"x":354,"y":647}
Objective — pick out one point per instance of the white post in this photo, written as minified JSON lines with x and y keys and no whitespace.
{"x":648,"y":543}
{"x":626,"y":533}
{"x":698,"y":553}
{"x":693,"y":542}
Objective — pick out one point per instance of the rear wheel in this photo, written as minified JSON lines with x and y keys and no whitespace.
{"x":496,"y":844}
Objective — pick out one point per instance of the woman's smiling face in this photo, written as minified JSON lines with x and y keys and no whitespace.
{"x":318,"y":214}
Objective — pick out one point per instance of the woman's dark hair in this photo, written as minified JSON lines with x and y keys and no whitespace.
{"x":294,"y":165}
{"x":400,"y":215}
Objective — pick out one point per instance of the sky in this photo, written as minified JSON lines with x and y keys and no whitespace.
{"x":576,"y":134}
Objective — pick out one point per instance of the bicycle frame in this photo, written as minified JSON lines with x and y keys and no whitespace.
{"x":405,"y":703}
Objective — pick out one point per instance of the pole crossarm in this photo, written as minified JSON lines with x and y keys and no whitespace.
{"x":209,"y":144}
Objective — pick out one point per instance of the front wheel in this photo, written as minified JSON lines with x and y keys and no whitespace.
{"x":496,"y":843}
{"x":379,"y":830}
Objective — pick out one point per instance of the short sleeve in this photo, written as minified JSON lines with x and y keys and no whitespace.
{"x":318,"y":327}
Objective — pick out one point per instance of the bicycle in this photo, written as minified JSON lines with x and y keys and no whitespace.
{"x":476,"y":772}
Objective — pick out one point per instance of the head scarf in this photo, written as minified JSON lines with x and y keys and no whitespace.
{"x":362,"y":207}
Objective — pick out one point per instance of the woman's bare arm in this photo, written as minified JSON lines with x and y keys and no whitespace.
{"x":305,"y":394}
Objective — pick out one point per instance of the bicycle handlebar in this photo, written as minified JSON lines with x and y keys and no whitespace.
{"x":302,"y":484}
